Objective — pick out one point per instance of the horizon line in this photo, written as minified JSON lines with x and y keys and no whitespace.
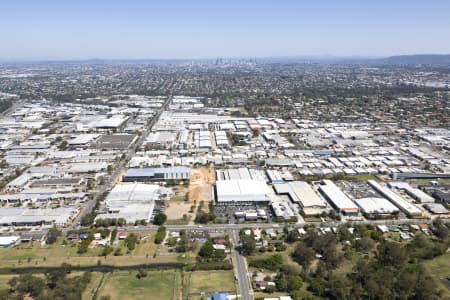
{"x":311,"y":57}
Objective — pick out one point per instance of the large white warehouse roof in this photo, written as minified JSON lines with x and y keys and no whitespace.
{"x":375,"y":205}
{"x":131,"y":202}
{"x":395,"y":199}
{"x":244,"y":190}
{"x":337,"y":197}
{"x":301,"y":192}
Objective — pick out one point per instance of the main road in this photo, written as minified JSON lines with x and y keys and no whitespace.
{"x":241,"y":268}
{"x":233,"y":227}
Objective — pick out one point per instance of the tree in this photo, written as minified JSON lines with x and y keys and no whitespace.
{"x":440,"y":230}
{"x":272,"y":263}
{"x":425,"y":287}
{"x":160,"y":235}
{"x":183,"y":244}
{"x":303,"y":255}
{"x":204,"y":217}
{"x":57,"y":275}
{"x":207,"y":249}
{"x":118,"y":252}
{"x":391,"y":253}
{"x":292,"y":236}
{"x":403,"y":285}
{"x":344,"y":234}
{"x":107,"y":250}
{"x":288,"y":279}
{"x":248,"y":244}
{"x":28,"y":284}
{"x":423,"y":248}
{"x":365,"y":244}
{"x":270,"y":289}
{"x":338,"y":288}
{"x":52,"y":235}
{"x":171,"y":241}
{"x":160,"y":219}
{"x":130,"y":241}
{"x":113,"y":235}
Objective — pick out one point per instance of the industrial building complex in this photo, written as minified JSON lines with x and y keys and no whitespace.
{"x":131,"y":202}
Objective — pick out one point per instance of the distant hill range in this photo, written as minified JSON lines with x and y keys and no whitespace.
{"x":418,"y":59}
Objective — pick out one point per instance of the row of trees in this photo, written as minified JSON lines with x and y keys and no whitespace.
{"x":107,"y":222}
{"x":160,"y":235}
{"x":55,"y":285}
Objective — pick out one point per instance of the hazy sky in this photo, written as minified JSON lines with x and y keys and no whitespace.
{"x":80,"y":29}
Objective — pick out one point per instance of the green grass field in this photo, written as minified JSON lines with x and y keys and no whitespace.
{"x":210,"y":281}
{"x":157,"y":285}
{"x":35,"y":254}
{"x":96,"y":278}
{"x":439,"y":267}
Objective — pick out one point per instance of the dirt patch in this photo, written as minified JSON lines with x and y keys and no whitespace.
{"x":176,"y":209}
{"x":202,"y":176}
{"x":179,"y":193}
{"x":200,"y":185}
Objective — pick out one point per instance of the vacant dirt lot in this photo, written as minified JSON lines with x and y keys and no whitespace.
{"x":176,"y":209}
{"x":200,"y":185}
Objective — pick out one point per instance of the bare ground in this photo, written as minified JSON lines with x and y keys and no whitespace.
{"x":200,"y":185}
{"x":176,"y":209}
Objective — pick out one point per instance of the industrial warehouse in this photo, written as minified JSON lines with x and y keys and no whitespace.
{"x":131,"y":202}
{"x":396,"y":199}
{"x":242,"y":191}
{"x":24,"y":217}
{"x":156,"y":174}
{"x":374,"y":207}
{"x":338,"y":199}
{"x":302,"y":193}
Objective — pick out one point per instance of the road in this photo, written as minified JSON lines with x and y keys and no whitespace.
{"x":233,"y":227}
{"x":87,"y":208}
{"x":240,"y":265}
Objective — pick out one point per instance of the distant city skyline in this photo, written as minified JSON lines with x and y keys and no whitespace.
{"x":46,"y":29}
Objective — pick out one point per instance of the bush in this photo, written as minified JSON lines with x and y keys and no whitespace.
{"x":113,"y":235}
{"x":83,"y":247}
{"x":207,"y":250}
{"x":118,"y":252}
{"x":160,"y":235}
{"x":52,"y":235}
{"x":216,"y":265}
{"x":141,"y":274}
{"x":107,"y":250}
{"x":272,"y":263}
{"x":160,"y":219}
{"x":131,"y":241}
{"x":204,"y":217}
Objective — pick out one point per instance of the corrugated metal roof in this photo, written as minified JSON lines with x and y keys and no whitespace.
{"x":335,"y":195}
